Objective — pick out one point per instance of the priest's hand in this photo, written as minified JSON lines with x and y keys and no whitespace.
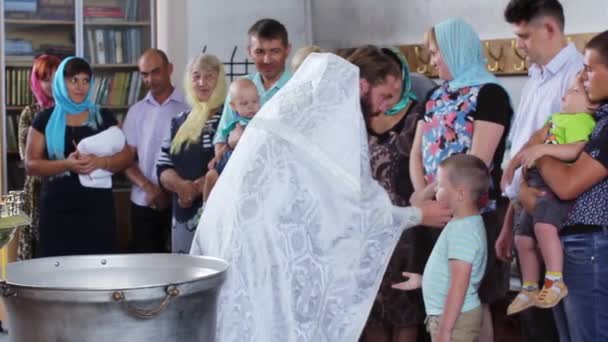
{"x":434,"y":214}
{"x":426,"y":194}
{"x":413,"y":282}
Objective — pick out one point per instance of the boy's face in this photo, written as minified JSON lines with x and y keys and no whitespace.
{"x":246,"y":101}
{"x":575,"y":99}
{"x":447,"y":195}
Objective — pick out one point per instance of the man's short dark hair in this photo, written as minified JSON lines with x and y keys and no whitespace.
{"x":374,"y":65}
{"x":599,"y":43}
{"x":269,"y":29}
{"x":527,"y":10}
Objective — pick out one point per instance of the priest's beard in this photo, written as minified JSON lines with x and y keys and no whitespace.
{"x":366,"y":108}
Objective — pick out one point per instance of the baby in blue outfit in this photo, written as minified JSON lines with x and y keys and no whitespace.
{"x":245,"y":102}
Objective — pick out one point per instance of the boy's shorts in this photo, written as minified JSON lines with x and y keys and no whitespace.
{"x":549,"y":209}
{"x":466,"y":328}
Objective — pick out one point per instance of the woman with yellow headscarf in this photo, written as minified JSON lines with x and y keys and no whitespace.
{"x":188,"y":149}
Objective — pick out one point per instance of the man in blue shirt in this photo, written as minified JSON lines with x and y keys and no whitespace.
{"x":268,"y":48}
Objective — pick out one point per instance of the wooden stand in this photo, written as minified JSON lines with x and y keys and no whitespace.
{"x":7,"y":254}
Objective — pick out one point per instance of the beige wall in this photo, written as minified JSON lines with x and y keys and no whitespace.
{"x":172,"y":33}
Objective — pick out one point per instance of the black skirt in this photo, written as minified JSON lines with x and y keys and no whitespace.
{"x":75,"y":220}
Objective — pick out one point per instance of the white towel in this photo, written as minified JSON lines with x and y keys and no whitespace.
{"x":103,"y":144}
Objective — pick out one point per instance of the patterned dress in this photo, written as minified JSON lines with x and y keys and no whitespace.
{"x":389,"y":158}
{"x":28,"y":236}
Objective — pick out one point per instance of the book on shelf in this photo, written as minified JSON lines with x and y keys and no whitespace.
{"x":90,"y":45}
{"x":94,"y":14}
{"x":134,"y":88}
{"x":19,"y":59}
{"x":132,"y":12}
{"x":103,"y":11}
{"x":24,"y":44}
{"x":11,"y":133}
{"x":58,"y":50}
{"x":17,"y":86}
{"x":18,"y":47}
{"x":100,"y":50}
{"x":29,"y":6}
{"x":56,"y":9}
{"x":113,"y":46}
{"x":119,"y":89}
{"x":112,"y":10}
{"x":120,"y":57}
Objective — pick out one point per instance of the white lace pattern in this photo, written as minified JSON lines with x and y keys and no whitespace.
{"x":307,"y":232}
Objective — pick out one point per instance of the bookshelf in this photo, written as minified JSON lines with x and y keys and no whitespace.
{"x":110,"y":34}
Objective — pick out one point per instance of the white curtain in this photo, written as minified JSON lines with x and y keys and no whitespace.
{"x":306,"y":230}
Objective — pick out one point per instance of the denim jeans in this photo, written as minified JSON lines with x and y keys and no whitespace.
{"x":586,"y":275}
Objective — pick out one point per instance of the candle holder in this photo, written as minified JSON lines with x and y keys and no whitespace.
{"x":11,"y":215}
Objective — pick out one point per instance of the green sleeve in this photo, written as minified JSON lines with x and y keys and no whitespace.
{"x":580,"y":129}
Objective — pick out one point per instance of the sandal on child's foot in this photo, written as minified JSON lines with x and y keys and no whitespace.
{"x":551,"y":294}
{"x":524,"y":299}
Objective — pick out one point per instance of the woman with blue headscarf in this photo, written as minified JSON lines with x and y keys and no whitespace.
{"x":469,"y":113}
{"x":73,"y":219}
{"x":395,"y":315}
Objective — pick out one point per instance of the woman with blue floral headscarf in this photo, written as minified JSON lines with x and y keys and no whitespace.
{"x":396,"y":315}
{"x":73,"y":219}
{"x":469,"y":113}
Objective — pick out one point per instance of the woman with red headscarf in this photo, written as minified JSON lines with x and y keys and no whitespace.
{"x":40,"y":83}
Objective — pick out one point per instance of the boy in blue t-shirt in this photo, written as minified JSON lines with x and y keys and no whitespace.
{"x":457,"y":263}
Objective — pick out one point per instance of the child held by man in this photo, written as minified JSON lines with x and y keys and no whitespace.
{"x":565,"y":135}
{"x":245,"y":102}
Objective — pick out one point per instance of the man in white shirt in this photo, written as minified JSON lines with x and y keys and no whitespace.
{"x":146,"y":123}
{"x":539,"y":27}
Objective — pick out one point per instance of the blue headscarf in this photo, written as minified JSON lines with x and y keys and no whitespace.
{"x":407,"y":95}
{"x":55,"y":129}
{"x":461,"y":49}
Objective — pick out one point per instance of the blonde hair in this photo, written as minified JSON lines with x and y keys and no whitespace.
{"x":430,"y":37}
{"x":468,"y":170}
{"x":240,"y":84}
{"x":191,"y":130}
{"x":300,"y":55}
